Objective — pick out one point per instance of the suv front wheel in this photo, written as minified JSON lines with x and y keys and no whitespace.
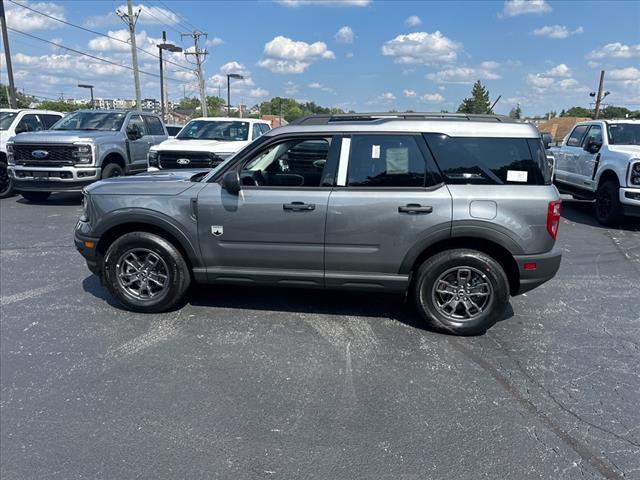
{"x":461,"y":291}
{"x":146,"y":272}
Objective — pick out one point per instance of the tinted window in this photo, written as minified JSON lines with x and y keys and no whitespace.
{"x":29,"y":123}
{"x":264,"y":127}
{"x":154,"y":125}
{"x":595,"y":133}
{"x":173,"y":131}
{"x":624,"y":133}
{"x":488,"y":161}
{"x":575,"y":140}
{"x":295,"y":163}
{"x":256,"y":131}
{"x":49,"y":120}
{"x":385,"y":161}
{"x":137,"y":120}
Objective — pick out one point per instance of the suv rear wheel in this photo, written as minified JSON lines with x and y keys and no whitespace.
{"x":461,"y":291}
{"x":608,"y":208}
{"x":6,"y":184}
{"x":146,"y":272}
{"x":36,"y":196}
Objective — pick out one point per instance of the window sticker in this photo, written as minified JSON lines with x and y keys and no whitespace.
{"x":397,"y":160}
{"x":375,"y":151}
{"x":517,"y":176}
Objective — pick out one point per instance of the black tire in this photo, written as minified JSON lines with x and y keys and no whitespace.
{"x":111,"y":170}
{"x":608,"y":208}
{"x":36,"y":196}
{"x":176,"y":268}
{"x":486,"y":269}
{"x":6,"y":182}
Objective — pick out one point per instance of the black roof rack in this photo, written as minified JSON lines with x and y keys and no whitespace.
{"x":325,"y":119}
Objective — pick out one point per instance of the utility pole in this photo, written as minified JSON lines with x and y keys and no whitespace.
{"x":131,"y":19}
{"x":163,"y":85}
{"x":599,"y":97}
{"x":7,"y":55}
{"x":200,"y":56}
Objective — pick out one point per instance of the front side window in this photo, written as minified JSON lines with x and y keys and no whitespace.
{"x":137,"y":120}
{"x":489,"y":161}
{"x":575,"y":139}
{"x":6,"y":119}
{"x":49,"y":120}
{"x":256,"y":131}
{"x":91,"y":121}
{"x":595,"y":134}
{"x":294,"y":163}
{"x":624,"y":134}
{"x":385,"y":161}
{"x":264,"y":127}
{"x":154,"y":125}
{"x":228,"y":131}
{"x":29,"y":123}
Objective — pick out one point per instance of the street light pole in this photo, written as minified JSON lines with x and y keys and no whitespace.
{"x":90,"y":87}
{"x":229,"y":77}
{"x":172,"y":48}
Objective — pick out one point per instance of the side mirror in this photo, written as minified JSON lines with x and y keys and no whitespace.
{"x":591,"y":145}
{"x":134,"y":132}
{"x":546,"y":140}
{"x":21,"y":130}
{"x":231,"y":182}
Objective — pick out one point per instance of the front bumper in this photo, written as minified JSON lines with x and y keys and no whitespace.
{"x":546,"y":267}
{"x":53,"y":179}
{"x":90,"y":253}
{"x":630,"y":200}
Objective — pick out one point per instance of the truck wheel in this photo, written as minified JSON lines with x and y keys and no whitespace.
{"x":6,"y":182}
{"x":608,"y":208}
{"x":112,"y":170}
{"x":36,"y":196}
{"x":146,"y":272}
{"x":461,"y":291}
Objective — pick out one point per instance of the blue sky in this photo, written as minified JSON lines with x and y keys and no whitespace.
{"x":355,"y":54}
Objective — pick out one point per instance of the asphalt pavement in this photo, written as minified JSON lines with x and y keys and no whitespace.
{"x":246,"y":383}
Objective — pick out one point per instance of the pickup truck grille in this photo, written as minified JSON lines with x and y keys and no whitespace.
{"x":58,"y":155}
{"x":196,"y":160}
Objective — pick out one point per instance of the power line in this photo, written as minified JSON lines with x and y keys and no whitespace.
{"x":94,"y":56}
{"x":148,"y":12}
{"x":186,"y":21}
{"x":96,"y":33}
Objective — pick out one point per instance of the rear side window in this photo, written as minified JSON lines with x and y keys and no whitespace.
{"x":575,"y":139}
{"x":154,"y":125}
{"x":385,"y":161}
{"x":489,"y":161}
{"x":49,"y":119}
{"x":264,"y":127}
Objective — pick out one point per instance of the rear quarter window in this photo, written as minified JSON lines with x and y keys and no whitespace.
{"x":490,"y":161}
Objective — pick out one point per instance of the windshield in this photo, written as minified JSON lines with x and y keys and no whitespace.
{"x":5,"y":119}
{"x":91,"y":121}
{"x":624,"y":133}
{"x":229,"y":131}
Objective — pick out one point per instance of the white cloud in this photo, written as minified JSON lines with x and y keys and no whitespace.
{"x":485,"y":71}
{"x":319,"y":86}
{"x":325,"y":3}
{"x":556,"y":31}
{"x":409,"y":93}
{"x":149,"y":15}
{"x":284,"y":55}
{"x":557,"y":79}
{"x":513,"y":8}
{"x":291,"y":88}
{"x":314,"y":85}
{"x":615,"y":50}
{"x":422,"y":47}
{"x":26,"y":20}
{"x":567,"y":83}
{"x":432,"y":98}
{"x":560,"y":70}
{"x":387,"y":97}
{"x":413,"y":21}
{"x":344,"y":35}
{"x":348,"y":55}
{"x":537,"y":80}
{"x":214,"y":42}
{"x":630,"y":73}
{"x":239,"y":87}
{"x":235,"y":67}
{"x":258,"y":93}
{"x":104,"y":44}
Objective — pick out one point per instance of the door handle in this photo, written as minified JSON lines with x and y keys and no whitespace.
{"x":414,"y":208}
{"x":298,"y":206}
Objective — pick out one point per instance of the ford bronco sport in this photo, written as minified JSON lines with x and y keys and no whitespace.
{"x":458,"y":211}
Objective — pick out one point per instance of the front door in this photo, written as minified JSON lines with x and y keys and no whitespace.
{"x":272,"y":231}
{"x":138,"y":148}
{"x":586,"y":162}
{"x":388,"y":201}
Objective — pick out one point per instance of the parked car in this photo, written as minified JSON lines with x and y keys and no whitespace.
{"x":83,"y":147}
{"x":600,"y":159}
{"x":172,"y":130}
{"x":458,"y":211}
{"x":206,"y":142}
{"x":13,"y":122}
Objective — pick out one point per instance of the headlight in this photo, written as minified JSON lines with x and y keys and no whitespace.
{"x":634,"y":177}
{"x":152,"y":158}
{"x":82,"y":154}
{"x":10,"y":158}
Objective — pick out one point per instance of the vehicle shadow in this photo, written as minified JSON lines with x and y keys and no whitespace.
{"x":292,"y":300}
{"x":59,"y":199}
{"x":583,"y":212}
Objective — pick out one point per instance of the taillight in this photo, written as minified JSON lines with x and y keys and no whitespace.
{"x":553,"y":218}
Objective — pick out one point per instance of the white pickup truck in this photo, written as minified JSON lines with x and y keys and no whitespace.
{"x":600,"y":159}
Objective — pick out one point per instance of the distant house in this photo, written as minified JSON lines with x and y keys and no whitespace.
{"x":274,"y":120}
{"x":560,"y":127}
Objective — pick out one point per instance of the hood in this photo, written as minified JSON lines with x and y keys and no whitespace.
{"x":216,"y":146}
{"x":631,"y":150}
{"x":63,"y":136}
{"x":150,"y":183}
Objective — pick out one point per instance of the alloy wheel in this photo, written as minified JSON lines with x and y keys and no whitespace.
{"x":462,"y":293}
{"x":143,"y":274}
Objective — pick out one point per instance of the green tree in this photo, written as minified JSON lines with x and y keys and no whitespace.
{"x":615,"y":112}
{"x":60,"y":106}
{"x":577,"y":112}
{"x":291,"y":109}
{"x":552,"y":114}
{"x":215,"y":106}
{"x":516,"y":112}
{"x":23,"y":101}
{"x":478,"y":102}
{"x":189,"y":103}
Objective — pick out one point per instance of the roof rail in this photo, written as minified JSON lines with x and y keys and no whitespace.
{"x":324,"y":119}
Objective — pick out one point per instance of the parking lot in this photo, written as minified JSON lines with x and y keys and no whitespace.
{"x":267,"y":383}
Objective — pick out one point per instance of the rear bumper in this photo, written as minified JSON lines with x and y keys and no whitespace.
{"x":546,"y":267}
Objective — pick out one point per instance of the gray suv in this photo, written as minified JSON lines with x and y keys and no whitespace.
{"x":457,"y":211}
{"x":83,"y":147}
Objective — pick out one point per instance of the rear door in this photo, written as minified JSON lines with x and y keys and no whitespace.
{"x":272,"y":231}
{"x":389,"y":201}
